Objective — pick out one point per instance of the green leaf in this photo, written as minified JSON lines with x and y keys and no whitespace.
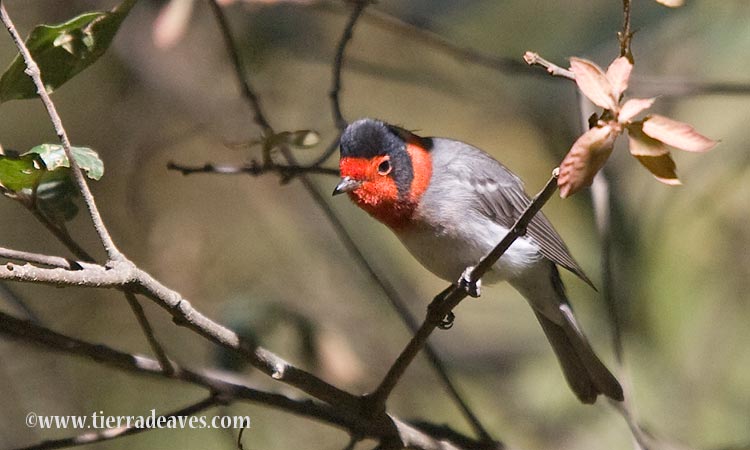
{"x":54,"y":157}
{"x":63,"y":50}
{"x":20,"y":172}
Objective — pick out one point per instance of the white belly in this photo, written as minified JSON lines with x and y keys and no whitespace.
{"x":447,"y":253}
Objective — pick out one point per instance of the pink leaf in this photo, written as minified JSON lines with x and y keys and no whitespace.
{"x":662,"y":167}
{"x":585,"y":158}
{"x":677,"y":134}
{"x":642,"y":145}
{"x":594,"y":84}
{"x":633,"y":107}
{"x":618,"y":74}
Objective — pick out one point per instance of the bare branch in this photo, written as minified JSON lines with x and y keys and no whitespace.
{"x":338,"y":62}
{"x":429,"y":439}
{"x":533,"y":59}
{"x":244,"y":84}
{"x":444,"y":302}
{"x":287,"y":171}
{"x":625,"y":36}
{"x":36,"y":258}
{"x":32,"y":69}
{"x":433,"y":40}
{"x":161,"y":355}
{"x":90,"y":275}
{"x":62,"y":235}
{"x":125,"y":275}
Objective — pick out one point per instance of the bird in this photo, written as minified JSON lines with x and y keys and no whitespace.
{"x":450,"y":203}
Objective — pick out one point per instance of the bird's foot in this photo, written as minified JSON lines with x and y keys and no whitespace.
{"x":473,"y":288}
{"x":447,"y":322}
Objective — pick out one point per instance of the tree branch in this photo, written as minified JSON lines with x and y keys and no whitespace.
{"x":423,"y":436}
{"x":46,"y":260}
{"x":433,"y":40}
{"x":32,"y":70}
{"x":338,"y":62}
{"x":140,"y":315}
{"x":247,"y":90}
{"x":625,"y":36}
{"x":287,"y":171}
{"x":533,"y":59}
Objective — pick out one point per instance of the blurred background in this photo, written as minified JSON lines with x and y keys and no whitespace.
{"x":262,"y":258}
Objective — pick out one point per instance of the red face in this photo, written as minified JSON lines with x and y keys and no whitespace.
{"x":375,"y":189}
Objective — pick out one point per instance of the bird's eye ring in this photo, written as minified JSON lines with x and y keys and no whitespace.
{"x":384,"y":168}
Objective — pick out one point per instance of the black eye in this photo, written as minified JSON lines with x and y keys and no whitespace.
{"x":384,"y":168}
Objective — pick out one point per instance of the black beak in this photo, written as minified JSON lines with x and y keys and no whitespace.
{"x":346,"y":185}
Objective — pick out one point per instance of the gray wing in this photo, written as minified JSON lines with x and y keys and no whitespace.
{"x":501,"y":197}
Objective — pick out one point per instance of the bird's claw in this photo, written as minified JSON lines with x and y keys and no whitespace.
{"x":473,"y":288}
{"x":447,"y":322}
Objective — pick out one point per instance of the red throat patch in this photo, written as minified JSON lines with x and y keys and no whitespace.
{"x":379,"y":194}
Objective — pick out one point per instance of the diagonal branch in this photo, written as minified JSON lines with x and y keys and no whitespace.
{"x":32,"y":70}
{"x":338,"y":62}
{"x":148,"y":330}
{"x":126,"y":276}
{"x":421,"y":436}
{"x":444,"y":302}
{"x":247,"y":90}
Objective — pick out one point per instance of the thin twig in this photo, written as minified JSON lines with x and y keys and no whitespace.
{"x":427,"y":37}
{"x":114,"y":433}
{"x":533,"y":59}
{"x":242,"y":82}
{"x":253,"y":168}
{"x":444,"y":302}
{"x":62,"y":235}
{"x":161,"y":355}
{"x":36,"y":258}
{"x":32,"y":70}
{"x":330,"y":150}
{"x":625,"y":36}
{"x":338,"y":63}
{"x":13,"y":298}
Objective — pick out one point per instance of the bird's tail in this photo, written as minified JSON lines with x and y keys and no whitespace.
{"x":584,"y":371}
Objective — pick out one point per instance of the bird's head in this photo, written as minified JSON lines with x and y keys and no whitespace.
{"x":385,"y":169}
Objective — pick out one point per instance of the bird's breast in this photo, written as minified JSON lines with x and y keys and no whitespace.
{"x":448,"y":250}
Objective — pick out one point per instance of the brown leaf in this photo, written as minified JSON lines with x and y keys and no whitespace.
{"x":633,"y":107}
{"x":677,"y":134}
{"x":618,"y":74}
{"x":594,"y":84}
{"x":662,"y":167}
{"x":585,"y":158}
{"x":642,"y":145}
